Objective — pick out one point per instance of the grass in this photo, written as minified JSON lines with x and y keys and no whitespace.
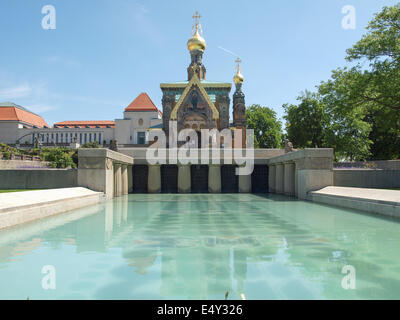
{"x":16,"y":190}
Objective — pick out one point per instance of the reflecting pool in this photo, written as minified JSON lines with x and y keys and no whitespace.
{"x":199,"y":246}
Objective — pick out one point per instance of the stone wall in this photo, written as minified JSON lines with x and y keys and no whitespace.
{"x":21,"y":164}
{"x":366,"y":178}
{"x":377,"y":164}
{"x":38,"y":179}
{"x":297,"y":173}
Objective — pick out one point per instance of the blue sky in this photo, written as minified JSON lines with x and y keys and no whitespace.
{"x":104,"y":53}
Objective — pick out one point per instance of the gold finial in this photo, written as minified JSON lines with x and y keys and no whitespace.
{"x":196,"y":42}
{"x":238,"y":78}
{"x":238,"y":61}
{"x":196,"y":26}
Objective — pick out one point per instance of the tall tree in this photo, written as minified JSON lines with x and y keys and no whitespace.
{"x":306,"y":123}
{"x":380,"y":92}
{"x":267,"y":128}
{"x":362,"y":102}
{"x":347,"y":132}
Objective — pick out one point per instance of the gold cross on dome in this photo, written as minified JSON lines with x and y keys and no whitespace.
{"x":197,"y":25}
{"x":196,"y":18}
{"x":238,"y":61}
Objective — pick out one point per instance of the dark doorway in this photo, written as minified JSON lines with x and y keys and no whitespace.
{"x":199,"y":178}
{"x":169,"y":179}
{"x":140,"y":173}
{"x":229,"y":179}
{"x":259,"y":179}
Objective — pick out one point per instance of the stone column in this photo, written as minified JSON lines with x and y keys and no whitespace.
{"x":130,"y":179}
{"x":124,"y":179}
{"x":96,"y":170}
{"x":279,"y":182}
{"x":214,"y":178}
{"x":289,"y":170}
{"x":154,"y":179}
{"x":117,"y":180}
{"x":272,"y":178}
{"x":245,"y":184}
{"x":184,"y":178}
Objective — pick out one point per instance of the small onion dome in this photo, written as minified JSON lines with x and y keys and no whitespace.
{"x":238,"y":78}
{"x":196,"y":42}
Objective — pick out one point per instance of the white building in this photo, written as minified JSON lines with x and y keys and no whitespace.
{"x":19,"y":125}
{"x":140,"y":115}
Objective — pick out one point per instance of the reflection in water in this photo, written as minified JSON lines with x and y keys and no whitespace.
{"x":200,"y":246}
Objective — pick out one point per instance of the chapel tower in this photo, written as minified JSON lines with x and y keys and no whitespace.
{"x":196,"y":103}
{"x":196,"y":46}
{"x":239,"y":107}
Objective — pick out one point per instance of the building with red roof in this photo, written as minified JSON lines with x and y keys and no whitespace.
{"x":12,"y":112}
{"x":139,"y":116}
{"x":18,"y":124}
{"x":142,"y":103}
{"x":14,"y":118}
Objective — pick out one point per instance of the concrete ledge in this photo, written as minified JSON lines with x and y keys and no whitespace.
{"x":22,"y":164}
{"x":261,"y":156}
{"x":21,"y":207}
{"x":104,"y":153}
{"x":378,"y":201}
{"x":366,"y":178}
{"x":302,"y":154}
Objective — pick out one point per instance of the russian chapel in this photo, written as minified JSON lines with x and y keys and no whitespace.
{"x":198,"y":103}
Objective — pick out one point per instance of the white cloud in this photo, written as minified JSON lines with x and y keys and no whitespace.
{"x":15,"y":92}
{"x":39,"y":99}
{"x":40,"y":108}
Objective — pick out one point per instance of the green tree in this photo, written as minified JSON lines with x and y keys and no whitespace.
{"x":59,"y":157}
{"x":361,"y":102}
{"x":267,"y":128}
{"x":347,"y":132}
{"x":378,"y":88}
{"x":93,"y":145}
{"x":306,"y":123}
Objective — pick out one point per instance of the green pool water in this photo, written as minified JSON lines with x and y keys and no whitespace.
{"x":199,"y":247}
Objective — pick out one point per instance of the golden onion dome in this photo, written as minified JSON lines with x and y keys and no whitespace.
{"x":238,"y":78}
{"x":196,"y":42}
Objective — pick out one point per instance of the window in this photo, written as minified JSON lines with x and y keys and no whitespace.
{"x":141,"y":138}
{"x":90,"y":137}
{"x":140,"y":122}
{"x":80,"y":138}
{"x":100,"y":137}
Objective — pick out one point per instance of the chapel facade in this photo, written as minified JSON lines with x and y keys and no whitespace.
{"x":198,"y":103}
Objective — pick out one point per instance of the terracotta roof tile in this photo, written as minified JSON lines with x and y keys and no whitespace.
{"x":14,"y":113}
{"x":85,"y":124}
{"x":142,"y":103}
